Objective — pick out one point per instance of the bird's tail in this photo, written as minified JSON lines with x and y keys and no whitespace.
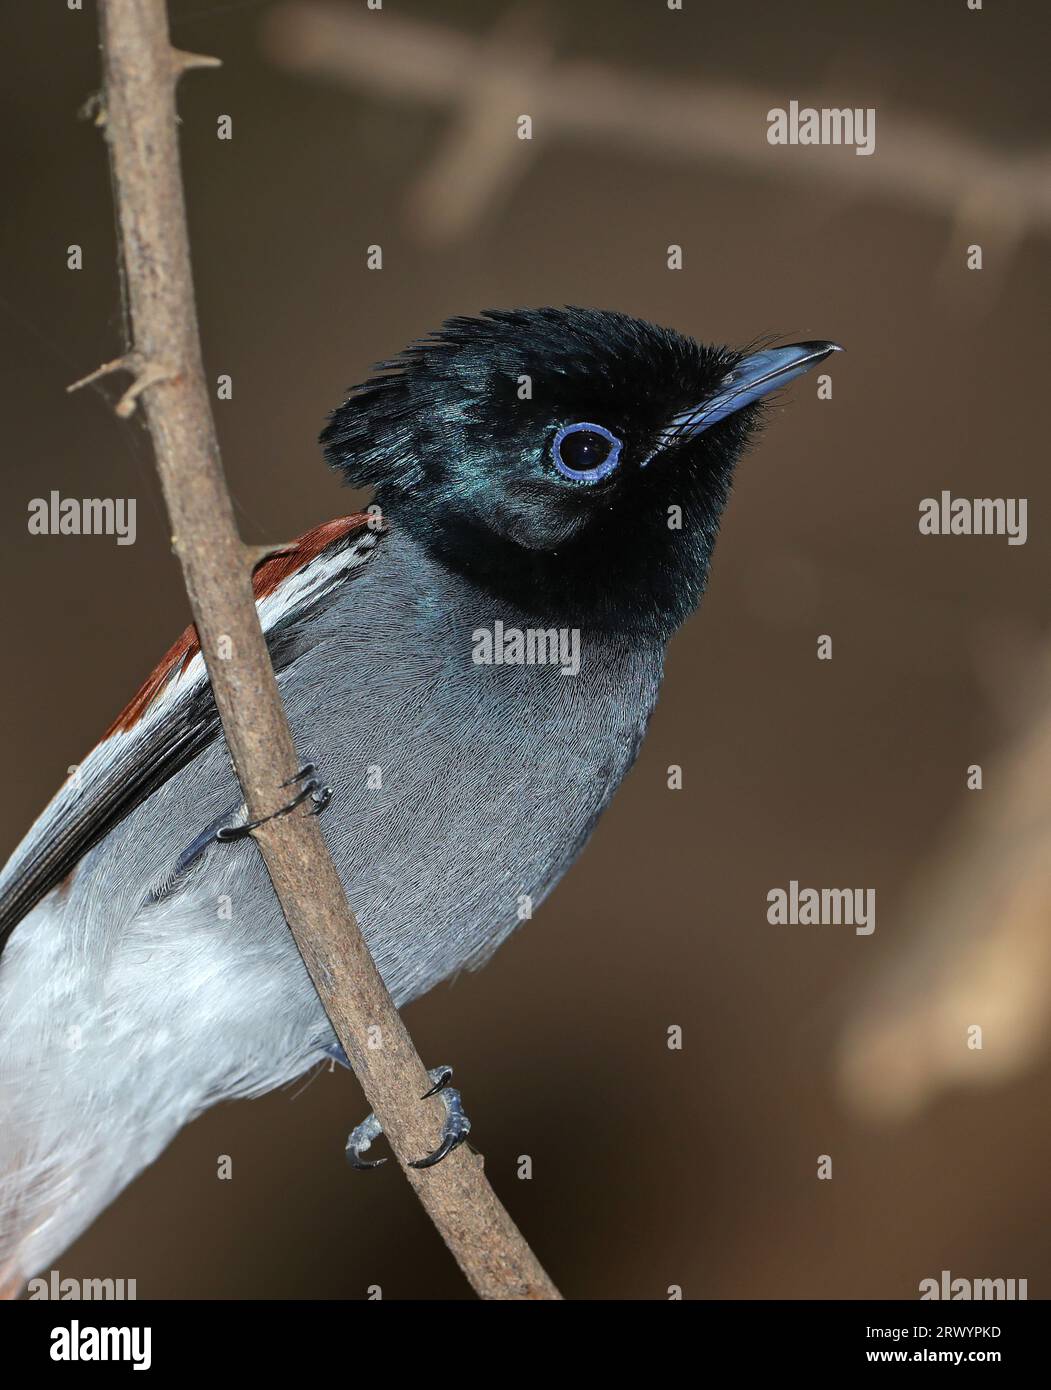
{"x":111,"y":1041}
{"x":71,"y":1124}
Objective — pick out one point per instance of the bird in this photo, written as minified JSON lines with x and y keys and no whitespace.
{"x":468,"y":667}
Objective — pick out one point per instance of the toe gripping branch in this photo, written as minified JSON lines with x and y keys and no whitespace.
{"x":312,"y":788}
{"x":455,"y":1127}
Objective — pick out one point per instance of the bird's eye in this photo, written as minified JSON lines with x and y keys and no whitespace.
{"x":586,"y":453}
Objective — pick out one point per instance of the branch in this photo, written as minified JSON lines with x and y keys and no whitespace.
{"x":141,"y":70}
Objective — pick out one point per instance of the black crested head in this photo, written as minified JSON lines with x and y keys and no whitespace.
{"x":574,"y":461}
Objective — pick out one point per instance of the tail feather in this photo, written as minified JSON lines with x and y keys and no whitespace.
{"x":69,"y":1140}
{"x":109,"y":1044}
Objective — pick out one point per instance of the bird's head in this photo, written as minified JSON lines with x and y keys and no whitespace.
{"x":575,"y":461}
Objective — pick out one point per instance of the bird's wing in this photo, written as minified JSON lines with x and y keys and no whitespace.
{"x":173,"y":716}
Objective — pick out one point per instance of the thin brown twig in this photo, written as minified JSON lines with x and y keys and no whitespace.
{"x":141,"y":70}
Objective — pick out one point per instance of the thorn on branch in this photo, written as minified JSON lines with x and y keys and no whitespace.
{"x":183,"y":61}
{"x":145,"y":374}
{"x":119,"y":364}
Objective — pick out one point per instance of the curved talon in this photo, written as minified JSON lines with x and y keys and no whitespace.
{"x":307,"y":770}
{"x":455,"y":1127}
{"x":312,"y":788}
{"x":320,"y":795}
{"x":356,"y":1161}
{"x":360,"y":1139}
{"x":445,"y":1075}
{"x":449,"y":1142}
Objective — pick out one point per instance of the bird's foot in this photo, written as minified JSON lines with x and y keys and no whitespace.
{"x":455,"y":1127}
{"x":312,"y":788}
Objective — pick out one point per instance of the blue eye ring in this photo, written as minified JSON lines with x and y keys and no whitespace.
{"x":586,"y":475}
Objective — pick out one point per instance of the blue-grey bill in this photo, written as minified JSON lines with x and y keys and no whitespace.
{"x":753,"y":378}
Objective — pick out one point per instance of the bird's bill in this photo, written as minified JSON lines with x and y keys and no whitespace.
{"x":753,"y":378}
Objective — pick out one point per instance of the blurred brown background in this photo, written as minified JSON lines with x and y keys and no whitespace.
{"x":651,"y":1167}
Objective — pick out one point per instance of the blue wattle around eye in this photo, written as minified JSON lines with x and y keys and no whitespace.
{"x":586,"y":453}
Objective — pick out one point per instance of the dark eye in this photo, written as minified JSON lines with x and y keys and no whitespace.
{"x":586,"y":453}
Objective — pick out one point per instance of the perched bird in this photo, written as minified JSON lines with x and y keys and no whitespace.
{"x":471,"y":665}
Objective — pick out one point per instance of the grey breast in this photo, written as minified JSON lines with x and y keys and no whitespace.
{"x":463,"y":789}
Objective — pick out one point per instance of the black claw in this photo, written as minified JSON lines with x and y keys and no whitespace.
{"x":456,"y":1127}
{"x":439,"y":1085}
{"x":360,"y":1139}
{"x":307,"y":770}
{"x":312,"y":788}
{"x":454,"y":1131}
{"x":362,"y":1163}
{"x":229,"y":833}
{"x":443,"y":1150}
